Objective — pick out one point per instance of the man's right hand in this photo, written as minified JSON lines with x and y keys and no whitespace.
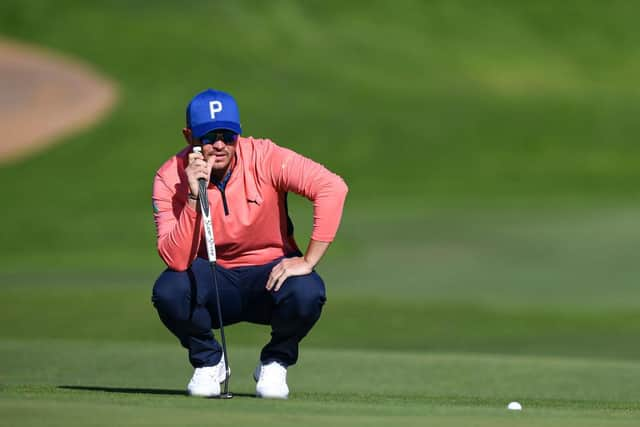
{"x":197,"y":168}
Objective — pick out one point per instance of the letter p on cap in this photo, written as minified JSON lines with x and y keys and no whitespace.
{"x":215,"y":107}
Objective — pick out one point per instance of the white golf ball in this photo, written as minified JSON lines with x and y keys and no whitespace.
{"x":514,"y":406}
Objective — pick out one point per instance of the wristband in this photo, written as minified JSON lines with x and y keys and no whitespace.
{"x":192,"y":197}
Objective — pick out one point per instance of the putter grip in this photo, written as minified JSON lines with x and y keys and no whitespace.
{"x":206,"y":216}
{"x":202,"y":187}
{"x":202,"y":192}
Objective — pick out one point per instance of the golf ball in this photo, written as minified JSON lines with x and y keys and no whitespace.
{"x":514,"y":406}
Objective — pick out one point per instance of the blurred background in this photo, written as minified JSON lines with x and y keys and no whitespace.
{"x":490,"y":148}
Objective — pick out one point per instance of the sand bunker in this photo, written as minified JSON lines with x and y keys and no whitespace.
{"x":45,"y":96}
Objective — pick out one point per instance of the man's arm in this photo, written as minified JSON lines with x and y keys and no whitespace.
{"x":176,"y":215}
{"x":291,"y":171}
{"x":176,"y":220}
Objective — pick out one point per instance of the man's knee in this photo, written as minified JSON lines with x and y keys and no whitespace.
{"x":307,"y":296}
{"x":172,"y":294}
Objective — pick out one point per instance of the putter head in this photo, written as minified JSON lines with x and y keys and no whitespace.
{"x":226,"y":394}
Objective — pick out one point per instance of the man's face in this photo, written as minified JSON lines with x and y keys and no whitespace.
{"x":219,"y":146}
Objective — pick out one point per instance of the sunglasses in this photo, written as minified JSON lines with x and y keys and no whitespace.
{"x":227,"y":137}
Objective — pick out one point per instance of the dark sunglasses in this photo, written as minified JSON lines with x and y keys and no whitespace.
{"x":227,"y":137}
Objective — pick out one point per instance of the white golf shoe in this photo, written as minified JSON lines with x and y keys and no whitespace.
{"x":271,"y":381}
{"x":206,"y":380}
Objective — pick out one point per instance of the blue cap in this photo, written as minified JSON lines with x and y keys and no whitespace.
{"x":211,"y":110}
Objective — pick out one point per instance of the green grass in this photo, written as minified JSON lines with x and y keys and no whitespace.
{"x":125,"y":383}
{"x":116,"y":312}
{"x":488,"y":247}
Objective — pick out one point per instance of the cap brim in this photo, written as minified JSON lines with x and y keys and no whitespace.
{"x":204,"y":128}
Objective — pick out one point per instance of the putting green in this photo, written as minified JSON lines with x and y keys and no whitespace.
{"x":113,"y":383}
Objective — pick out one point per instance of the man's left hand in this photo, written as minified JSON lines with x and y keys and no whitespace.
{"x":286,"y":268}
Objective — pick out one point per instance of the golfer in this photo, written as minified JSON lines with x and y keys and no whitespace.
{"x":262,"y":275}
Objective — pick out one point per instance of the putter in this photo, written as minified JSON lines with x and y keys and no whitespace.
{"x":211,"y":252}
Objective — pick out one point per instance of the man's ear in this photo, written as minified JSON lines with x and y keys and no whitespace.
{"x":186,"y":132}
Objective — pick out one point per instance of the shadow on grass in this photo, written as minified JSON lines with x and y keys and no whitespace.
{"x":131,"y":390}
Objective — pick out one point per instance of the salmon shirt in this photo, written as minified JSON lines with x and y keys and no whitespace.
{"x":254,"y":228}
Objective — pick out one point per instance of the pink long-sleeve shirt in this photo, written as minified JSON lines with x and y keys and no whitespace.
{"x":254,"y":230}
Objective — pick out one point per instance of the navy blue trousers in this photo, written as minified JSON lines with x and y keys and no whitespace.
{"x":186,"y":303}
